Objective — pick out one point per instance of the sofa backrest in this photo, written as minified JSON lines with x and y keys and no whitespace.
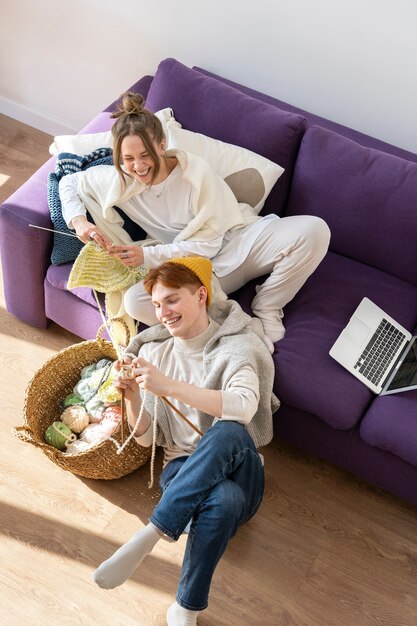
{"x":208,"y":106}
{"x":364,"y":188}
{"x":316,"y":120}
{"x":367,"y":197}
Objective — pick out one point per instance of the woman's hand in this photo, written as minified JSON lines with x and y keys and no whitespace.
{"x":86,"y":231}
{"x":132,"y":256}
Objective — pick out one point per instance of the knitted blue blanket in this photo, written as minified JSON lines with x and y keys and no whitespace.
{"x":66,"y":249}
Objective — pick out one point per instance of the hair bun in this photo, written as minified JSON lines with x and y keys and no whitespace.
{"x":128,"y":104}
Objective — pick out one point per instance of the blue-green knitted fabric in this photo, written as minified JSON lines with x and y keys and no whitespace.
{"x":66,"y":249}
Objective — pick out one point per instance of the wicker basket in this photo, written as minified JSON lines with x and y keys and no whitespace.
{"x":44,"y":394}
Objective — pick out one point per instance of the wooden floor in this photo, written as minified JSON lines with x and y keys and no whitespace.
{"x":325,"y":549}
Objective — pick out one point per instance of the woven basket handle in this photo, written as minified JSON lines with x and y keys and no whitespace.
{"x":25,"y":434}
{"x":119,"y":320}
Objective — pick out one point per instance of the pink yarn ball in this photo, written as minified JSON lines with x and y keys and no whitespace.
{"x":108,"y":425}
{"x":113,"y":412}
{"x":93,"y":434}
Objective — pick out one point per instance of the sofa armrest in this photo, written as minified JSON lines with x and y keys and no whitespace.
{"x":25,"y":251}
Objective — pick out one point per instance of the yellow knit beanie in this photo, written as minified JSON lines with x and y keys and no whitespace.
{"x":201,"y":267}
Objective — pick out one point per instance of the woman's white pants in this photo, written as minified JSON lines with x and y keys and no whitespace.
{"x":288,"y":249}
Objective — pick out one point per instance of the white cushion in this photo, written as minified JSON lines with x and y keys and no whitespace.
{"x":80,"y":144}
{"x":249,"y":175}
{"x":84,"y":143}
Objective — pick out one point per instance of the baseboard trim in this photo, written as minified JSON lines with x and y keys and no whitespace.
{"x":34,"y":118}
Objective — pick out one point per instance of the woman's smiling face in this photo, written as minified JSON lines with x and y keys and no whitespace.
{"x":138,"y":162}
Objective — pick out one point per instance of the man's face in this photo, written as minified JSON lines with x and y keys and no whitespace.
{"x":182,"y":311}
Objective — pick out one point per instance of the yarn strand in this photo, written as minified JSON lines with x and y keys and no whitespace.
{"x":122,"y":406}
{"x":154,"y":432}
{"x":120,"y":448}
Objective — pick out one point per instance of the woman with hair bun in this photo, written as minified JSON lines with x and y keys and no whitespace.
{"x":177,"y":198}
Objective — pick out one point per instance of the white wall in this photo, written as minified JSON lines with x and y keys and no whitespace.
{"x":352,"y":61}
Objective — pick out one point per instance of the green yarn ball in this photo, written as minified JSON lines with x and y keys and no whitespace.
{"x":72,"y":399}
{"x":57,"y":434}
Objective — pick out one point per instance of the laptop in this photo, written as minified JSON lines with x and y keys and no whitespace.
{"x":377,"y":350}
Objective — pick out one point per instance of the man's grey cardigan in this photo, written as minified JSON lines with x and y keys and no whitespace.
{"x":233,"y":346}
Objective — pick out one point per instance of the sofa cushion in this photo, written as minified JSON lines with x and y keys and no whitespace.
{"x":367,"y":198}
{"x":391,"y":424}
{"x":249,"y":175}
{"x":307,"y":378}
{"x":81,"y":144}
{"x":57,"y":277}
{"x":205,"y":105}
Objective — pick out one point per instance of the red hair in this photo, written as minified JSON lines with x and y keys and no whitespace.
{"x":171,"y":275}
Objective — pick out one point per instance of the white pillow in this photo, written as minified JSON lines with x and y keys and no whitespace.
{"x":80,"y":144}
{"x":249,"y":175}
{"x":84,"y":143}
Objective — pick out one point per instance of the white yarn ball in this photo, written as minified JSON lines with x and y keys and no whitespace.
{"x":75,"y":417}
{"x":77,"y":446}
{"x":93,"y":434}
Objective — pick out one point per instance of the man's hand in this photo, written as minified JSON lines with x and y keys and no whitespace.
{"x":126,"y":381}
{"x":148,"y":377}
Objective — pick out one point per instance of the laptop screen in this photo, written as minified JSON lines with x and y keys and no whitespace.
{"x":406,"y":375}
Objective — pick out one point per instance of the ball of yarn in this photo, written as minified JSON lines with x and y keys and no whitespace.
{"x":97,"y":378}
{"x":88,"y":370}
{"x":103,"y":363}
{"x":59,"y":435}
{"x":108,"y":425}
{"x":108,"y":392}
{"x":93,"y":434}
{"x":113,"y":412}
{"x":76,"y":417}
{"x":95,"y":409}
{"x":77,"y":446}
{"x":72,"y":399}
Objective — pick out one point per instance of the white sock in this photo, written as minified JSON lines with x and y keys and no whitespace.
{"x":178,"y":616}
{"x":119,"y":567}
{"x":258,"y":328}
{"x":274,"y":332}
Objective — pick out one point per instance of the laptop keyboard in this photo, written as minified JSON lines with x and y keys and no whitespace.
{"x":376,"y":357}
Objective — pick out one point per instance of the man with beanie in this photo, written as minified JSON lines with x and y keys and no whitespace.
{"x":208,"y":363}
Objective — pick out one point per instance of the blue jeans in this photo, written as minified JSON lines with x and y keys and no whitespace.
{"x":219,"y":487}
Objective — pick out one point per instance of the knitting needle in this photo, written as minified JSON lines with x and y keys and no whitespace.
{"x":51,"y":230}
{"x":174,"y":408}
{"x":122,"y":434}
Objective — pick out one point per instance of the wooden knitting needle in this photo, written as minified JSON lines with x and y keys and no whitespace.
{"x":174,"y":408}
{"x":122,"y":407}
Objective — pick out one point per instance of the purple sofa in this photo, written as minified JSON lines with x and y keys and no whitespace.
{"x":363,"y":188}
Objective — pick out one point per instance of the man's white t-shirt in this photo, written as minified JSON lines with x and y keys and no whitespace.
{"x":182,"y":359}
